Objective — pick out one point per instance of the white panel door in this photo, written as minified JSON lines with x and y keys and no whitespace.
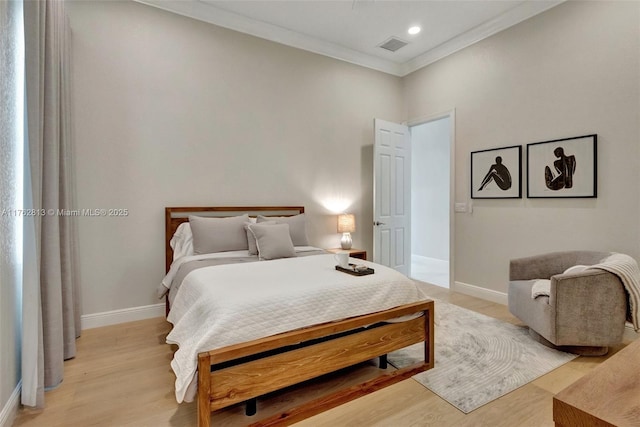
{"x":392,"y":195}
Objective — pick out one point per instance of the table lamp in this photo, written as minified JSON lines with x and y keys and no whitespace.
{"x":346,"y":226}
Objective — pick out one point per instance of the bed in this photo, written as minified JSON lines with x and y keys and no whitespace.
{"x":231,"y":365}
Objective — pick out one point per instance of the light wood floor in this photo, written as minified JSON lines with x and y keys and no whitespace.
{"x":121,"y":377}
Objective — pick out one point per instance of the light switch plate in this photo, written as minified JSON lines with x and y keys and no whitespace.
{"x":460,"y":207}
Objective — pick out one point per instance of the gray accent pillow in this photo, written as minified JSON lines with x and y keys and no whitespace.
{"x":297,"y":227}
{"x":273,"y":241}
{"x":251,"y":240}
{"x":218,"y":234}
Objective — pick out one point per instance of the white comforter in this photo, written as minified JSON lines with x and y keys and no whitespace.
{"x":229,"y":304}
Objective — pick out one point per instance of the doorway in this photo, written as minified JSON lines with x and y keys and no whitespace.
{"x":431,"y":183}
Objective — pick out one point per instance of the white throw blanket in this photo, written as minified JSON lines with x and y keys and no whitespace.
{"x":228,"y":304}
{"x":541,"y":288}
{"x":626,"y":268}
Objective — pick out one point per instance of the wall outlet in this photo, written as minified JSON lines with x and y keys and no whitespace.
{"x":460,"y":207}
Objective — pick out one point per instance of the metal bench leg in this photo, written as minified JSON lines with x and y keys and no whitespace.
{"x":383,"y":361}
{"x":251,"y":407}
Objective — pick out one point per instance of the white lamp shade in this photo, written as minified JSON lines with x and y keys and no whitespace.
{"x":346,"y":223}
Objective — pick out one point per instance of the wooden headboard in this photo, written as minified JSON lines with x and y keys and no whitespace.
{"x":175,"y":216}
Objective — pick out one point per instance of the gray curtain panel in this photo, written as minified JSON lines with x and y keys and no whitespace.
{"x":11,"y":125}
{"x":52,"y":326}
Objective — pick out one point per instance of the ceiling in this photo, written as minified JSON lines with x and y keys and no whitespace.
{"x":353,"y":30}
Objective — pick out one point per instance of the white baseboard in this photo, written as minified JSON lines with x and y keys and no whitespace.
{"x":478,"y":292}
{"x":10,"y":410}
{"x":114,"y":317}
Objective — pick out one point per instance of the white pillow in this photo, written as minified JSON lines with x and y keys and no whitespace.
{"x":273,"y":241}
{"x":251,"y":240}
{"x":297,"y":227}
{"x":182,"y":241}
{"x":576,"y":269}
{"x":218,"y":234}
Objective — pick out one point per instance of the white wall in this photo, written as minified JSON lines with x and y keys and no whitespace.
{"x":170,"y":111}
{"x":430,"y":172}
{"x":573,"y":70}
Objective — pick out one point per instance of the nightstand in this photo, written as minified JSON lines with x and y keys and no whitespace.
{"x":353,"y":253}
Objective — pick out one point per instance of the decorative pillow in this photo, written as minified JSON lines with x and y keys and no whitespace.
{"x":218,"y":234}
{"x":273,"y":241}
{"x":576,"y":269}
{"x":182,"y":241}
{"x":297,"y":227}
{"x":251,"y":240}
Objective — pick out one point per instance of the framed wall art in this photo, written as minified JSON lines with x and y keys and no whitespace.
{"x":562,"y":168}
{"x":496,"y":173}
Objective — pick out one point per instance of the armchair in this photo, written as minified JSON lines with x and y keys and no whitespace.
{"x":584,"y":313}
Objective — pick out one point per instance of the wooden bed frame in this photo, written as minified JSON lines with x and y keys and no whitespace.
{"x":245,"y":371}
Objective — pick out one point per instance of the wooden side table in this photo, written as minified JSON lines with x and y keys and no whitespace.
{"x":606,"y":396}
{"x":353,"y":253}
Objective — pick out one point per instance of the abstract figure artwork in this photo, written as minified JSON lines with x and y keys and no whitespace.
{"x":499,"y":174}
{"x":562,"y":168}
{"x":565,"y":167}
{"x":496,"y":173}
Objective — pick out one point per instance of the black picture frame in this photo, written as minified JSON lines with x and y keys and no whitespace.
{"x":496,"y":173}
{"x":563,"y":168}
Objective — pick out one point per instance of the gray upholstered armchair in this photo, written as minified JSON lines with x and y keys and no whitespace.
{"x":584,"y":312}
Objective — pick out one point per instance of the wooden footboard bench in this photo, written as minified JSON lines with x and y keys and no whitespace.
{"x":243,"y":372}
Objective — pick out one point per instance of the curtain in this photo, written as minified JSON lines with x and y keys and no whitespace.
{"x":50,"y":311}
{"x":11,"y":145}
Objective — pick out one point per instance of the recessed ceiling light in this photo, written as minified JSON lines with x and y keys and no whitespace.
{"x":414,"y":30}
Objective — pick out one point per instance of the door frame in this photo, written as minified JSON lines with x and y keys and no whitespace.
{"x":451,"y":114}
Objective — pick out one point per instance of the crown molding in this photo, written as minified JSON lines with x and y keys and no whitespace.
{"x":203,"y":11}
{"x":513,"y":16}
{"x":222,"y":18}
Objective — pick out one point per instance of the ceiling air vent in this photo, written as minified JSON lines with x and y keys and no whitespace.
{"x":393,"y":44}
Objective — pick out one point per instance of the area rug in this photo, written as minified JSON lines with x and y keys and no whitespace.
{"x":479,"y":358}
